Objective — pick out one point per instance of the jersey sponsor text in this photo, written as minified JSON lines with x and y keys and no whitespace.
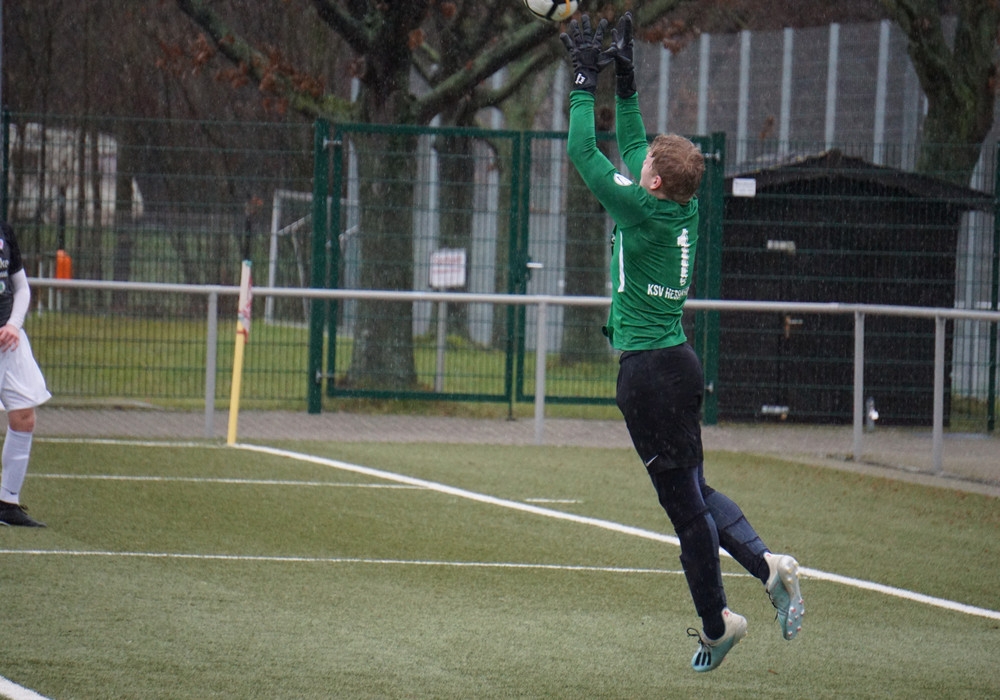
{"x":663,"y":292}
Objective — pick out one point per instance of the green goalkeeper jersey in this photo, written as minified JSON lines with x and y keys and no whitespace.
{"x":654,"y":240}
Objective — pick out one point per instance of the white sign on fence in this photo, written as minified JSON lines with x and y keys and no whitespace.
{"x":448,"y":268}
{"x":744,"y":187}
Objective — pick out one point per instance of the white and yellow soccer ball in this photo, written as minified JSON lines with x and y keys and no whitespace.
{"x":552,"y":10}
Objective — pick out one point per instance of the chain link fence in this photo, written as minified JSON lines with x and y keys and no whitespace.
{"x":185,"y":202}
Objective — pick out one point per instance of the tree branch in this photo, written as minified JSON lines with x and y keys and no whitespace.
{"x":516,"y":77}
{"x":344,"y":23}
{"x":261,"y":68}
{"x":489,"y":61}
{"x":932,"y":59}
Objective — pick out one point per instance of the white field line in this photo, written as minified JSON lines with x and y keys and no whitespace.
{"x":135,"y":443}
{"x":13,"y":691}
{"x":347,"y":560}
{"x":568,"y":501}
{"x":205,"y":480}
{"x":609,"y":525}
{"x":462,"y":493}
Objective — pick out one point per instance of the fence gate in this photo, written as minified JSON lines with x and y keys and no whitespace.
{"x":397,"y":197}
{"x":515,"y":208}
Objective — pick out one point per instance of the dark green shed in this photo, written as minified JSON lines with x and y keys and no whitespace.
{"x":835,"y":228}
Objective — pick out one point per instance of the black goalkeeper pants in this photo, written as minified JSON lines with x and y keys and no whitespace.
{"x":660,"y":394}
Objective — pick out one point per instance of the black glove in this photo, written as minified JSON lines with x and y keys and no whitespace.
{"x":620,"y":51}
{"x":585,"y":49}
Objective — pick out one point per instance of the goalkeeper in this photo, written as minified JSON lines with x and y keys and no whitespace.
{"x":660,"y":379}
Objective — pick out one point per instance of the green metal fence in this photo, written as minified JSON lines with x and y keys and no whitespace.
{"x":365,"y":207}
{"x":151,"y":200}
{"x":514,"y":211}
{"x":157,"y":201}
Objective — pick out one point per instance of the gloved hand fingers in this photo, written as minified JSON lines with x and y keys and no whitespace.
{"x":624,"y":31}
{"x":602,"y":27}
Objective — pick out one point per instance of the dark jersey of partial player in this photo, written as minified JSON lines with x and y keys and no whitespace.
{"x":10,"y":263}
{"x":653,"y":249}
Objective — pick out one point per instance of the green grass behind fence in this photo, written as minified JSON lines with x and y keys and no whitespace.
{"x":162,"y":361}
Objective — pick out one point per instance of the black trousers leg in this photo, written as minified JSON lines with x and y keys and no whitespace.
{"x":736,"y":535}
{"x":659,"y":393}
{"x":680,"y":495}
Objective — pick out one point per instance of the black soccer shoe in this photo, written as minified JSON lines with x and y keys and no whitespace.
{"x":16,"y":514}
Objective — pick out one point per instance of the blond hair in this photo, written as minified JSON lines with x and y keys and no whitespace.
{"x":680,"y":165}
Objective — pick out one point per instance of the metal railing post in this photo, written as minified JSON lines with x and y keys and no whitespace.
{"x":938,"y":431}
{"x":541,"y":350}
{"x":211,"y":361}
{"x":859,"y":383}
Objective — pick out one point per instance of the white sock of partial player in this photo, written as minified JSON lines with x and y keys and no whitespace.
{"x":14,"y":464}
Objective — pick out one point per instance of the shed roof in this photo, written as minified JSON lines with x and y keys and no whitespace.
{"x":833,"y":164}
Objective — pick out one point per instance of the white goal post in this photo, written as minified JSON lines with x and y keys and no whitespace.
{"x":277,"y":230}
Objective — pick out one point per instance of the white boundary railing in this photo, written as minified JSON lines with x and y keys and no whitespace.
{"x":544,"y":302}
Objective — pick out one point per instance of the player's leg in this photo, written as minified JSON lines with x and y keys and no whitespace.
{"x":16,"y":452}
{"x":23,"y":388}
{"x":659,"y":393}
{"x":736,"y":535}
{"x":778,"y":572}
{"x":14,"y":467}
{"x":678,"y":494}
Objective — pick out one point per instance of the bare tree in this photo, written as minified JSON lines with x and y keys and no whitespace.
{"x":454,"y":46}
{"x":958,"y":76}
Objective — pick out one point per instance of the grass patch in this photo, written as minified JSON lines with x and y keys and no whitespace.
{"x":222,"y":573}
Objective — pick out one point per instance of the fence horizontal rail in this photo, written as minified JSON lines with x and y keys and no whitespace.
{"x":521,"y":300}
{"x":213,"y":292}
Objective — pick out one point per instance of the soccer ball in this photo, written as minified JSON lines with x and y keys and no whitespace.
{"x":552,"y":10}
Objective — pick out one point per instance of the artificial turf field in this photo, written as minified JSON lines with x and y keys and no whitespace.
{"x":454,"y":571}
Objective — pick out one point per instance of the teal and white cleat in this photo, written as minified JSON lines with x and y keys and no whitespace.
{"x":783,"y":590}
{"x":711,"y":652}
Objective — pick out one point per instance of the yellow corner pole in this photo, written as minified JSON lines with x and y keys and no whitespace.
{"x":242,"y":335}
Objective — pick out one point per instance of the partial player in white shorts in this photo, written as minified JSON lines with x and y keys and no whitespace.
{"x":22,"y":388}
{"x":21,"y":382}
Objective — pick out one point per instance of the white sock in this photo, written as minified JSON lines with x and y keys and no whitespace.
{"x":14,"y":461}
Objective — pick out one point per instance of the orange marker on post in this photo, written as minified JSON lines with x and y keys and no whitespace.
{"x":64,"y":265}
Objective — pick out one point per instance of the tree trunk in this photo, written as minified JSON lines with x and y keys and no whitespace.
{"x":947,"y":150}
{"x":382,"y":357}
{"x":501,"y":263}
{"x":958,"y":77}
